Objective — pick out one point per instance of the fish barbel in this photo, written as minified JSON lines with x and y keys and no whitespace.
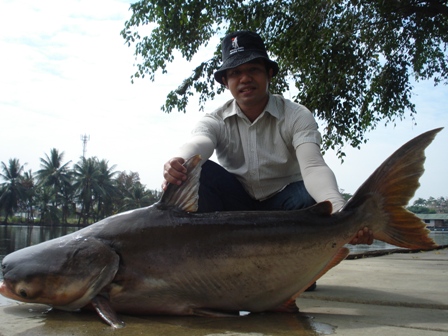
{"x":167,"y":259}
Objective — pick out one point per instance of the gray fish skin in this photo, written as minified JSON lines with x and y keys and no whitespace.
{"x":166,"y":259}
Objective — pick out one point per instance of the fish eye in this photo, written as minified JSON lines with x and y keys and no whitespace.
{"x":23,"y":293}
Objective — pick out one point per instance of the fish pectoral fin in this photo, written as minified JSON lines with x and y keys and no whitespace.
{"x":213,"y":313}
{"x":105,"y":311}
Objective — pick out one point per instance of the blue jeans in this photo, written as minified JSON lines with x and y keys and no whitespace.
{"x":220,"y":190}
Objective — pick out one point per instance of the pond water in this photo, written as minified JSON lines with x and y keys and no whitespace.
{"x":441,"y":238}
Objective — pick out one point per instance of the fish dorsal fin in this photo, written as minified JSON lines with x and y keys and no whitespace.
{"x":185,"y":196}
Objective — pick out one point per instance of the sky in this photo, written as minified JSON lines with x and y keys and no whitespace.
{"x":65,"y":73}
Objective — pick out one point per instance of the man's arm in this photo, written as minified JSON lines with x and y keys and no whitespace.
{"x":321,"y":183}
{"x":319,"y":179}
{"x":173,"y":170}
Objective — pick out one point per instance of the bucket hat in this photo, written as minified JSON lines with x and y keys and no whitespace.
{"x":241,"y":47}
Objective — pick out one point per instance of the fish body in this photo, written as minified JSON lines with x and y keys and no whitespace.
{"x":167,"y":259}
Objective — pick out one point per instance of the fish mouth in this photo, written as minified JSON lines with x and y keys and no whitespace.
{"x":3,"y":288}
{"x":6,"y":292}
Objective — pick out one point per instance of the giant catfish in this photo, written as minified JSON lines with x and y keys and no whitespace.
{"x":167,"y":259}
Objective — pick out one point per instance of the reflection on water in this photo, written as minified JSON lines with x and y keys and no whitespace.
{"x":63,"y":323}
{"x":15,"y":237}
{"x":441,"y":238}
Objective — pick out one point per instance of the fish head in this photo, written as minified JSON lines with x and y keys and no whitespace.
{"x":65,"y":273}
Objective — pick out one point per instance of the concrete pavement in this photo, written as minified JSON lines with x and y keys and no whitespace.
{"x":398,"y":294}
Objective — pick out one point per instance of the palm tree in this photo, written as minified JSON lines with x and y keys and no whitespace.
{"x":29,"y":195}
{"x":87,"y":175}
{"x":108,"y":189}
{"x":49,"y":213}
{"x":57,"y":175}
{"x":138,"y":197}
{"x":125,"y":182}
{"x":12,"y":190}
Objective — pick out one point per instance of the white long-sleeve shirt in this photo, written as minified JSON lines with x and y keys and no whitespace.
{"x":280,"y":147}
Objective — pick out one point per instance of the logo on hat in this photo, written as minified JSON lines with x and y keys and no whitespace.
{"x":233,"y":54}
{"x":235,"y":46}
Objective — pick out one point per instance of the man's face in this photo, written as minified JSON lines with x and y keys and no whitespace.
{"x":249,"y":83}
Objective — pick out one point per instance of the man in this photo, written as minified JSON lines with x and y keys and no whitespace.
{"x":268,"y":147}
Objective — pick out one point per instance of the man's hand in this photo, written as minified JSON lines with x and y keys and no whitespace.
{"x":174,"y":172}
{"x":364,"y":236}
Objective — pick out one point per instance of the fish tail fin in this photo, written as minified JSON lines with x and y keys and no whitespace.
{"x":391,"y":187}
{"x":185,"y":196}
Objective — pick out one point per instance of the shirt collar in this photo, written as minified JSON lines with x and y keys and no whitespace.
{"x":232,"y":108}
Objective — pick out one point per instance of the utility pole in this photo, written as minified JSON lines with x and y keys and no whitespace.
{"x":84,"y":139}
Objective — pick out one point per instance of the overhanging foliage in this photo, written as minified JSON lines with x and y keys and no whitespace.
{"x":352,"y":62}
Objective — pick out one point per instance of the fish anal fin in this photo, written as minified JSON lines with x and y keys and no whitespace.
{"x":289,"y":306}
{"x":337,"y":258}
{"x":340,"y":256}
{"x":105,"y":311}
{"x":185,"y":196}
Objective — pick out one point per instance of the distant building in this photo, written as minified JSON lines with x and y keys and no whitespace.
{"x":436,"y":222}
